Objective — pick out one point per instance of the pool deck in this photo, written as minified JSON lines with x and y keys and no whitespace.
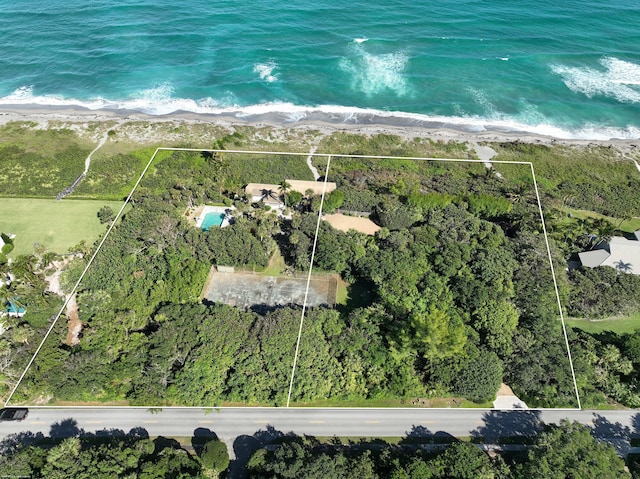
{"x":202,"y":211}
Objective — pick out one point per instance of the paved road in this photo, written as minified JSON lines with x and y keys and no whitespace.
{"x":230,"y":423}
{"x":246,"y":429}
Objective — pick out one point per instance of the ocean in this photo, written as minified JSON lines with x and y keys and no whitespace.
{"x":569,"y":69}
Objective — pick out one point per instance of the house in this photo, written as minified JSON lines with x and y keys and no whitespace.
{"x":268,"y":194}
{"x":271,"y":194}
{"x":620,"y":253}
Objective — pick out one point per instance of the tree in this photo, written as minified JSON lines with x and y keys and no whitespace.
{"x":480,"y":377}
{"x":332,"y":201}
{"x":436,"y":335}
{"x":467,"y":461}
{"x":568,"y":450}
{"x":105,"y":214}
{"x":215,"y":456}
{"x":394,"y":215}
{"x":284,"y":188}
{"x":604,"y":231}
{"x":293,"y":198}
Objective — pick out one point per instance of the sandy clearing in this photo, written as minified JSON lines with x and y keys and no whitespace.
{"x":345,"y":223}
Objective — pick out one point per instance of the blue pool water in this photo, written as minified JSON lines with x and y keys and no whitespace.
{"x":212,"y":219}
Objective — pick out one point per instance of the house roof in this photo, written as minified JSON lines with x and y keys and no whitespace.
{"x":593,"y":258}
{"x":622,"y":254}
{"x":259,"y":191}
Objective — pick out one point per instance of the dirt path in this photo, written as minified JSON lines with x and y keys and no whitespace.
{"x":73,"y":322}
{"x":314,"y":170}
{"x":73,"y":318}
{"x":87,"y":161}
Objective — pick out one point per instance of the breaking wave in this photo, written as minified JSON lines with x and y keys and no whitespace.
{"x":375,"y":74}
{"x":265,"y":71}
{"x":619,"y":79}
{"x":160,"y":101}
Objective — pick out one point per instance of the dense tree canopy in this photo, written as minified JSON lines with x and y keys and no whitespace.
{"x":86,"y":458}
{"x":570,"y":451}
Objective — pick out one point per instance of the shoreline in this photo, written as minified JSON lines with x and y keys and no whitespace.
{"x":44,"y":115}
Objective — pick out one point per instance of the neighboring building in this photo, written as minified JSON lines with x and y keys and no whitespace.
{"x":621,"y":253}
{"x":271,"y":195}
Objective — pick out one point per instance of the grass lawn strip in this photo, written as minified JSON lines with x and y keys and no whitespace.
{"x":619,"y":325}
{"x":57,"y":225}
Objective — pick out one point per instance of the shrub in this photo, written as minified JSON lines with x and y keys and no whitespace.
{"x":480,"y":379}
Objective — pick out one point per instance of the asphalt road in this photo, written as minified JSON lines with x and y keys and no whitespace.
{"x":246,"y":429}
{"x":230,"y":423}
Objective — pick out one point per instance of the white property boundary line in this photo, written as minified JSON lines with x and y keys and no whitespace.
{"x":328,"y":156}
{"x":86,"y":268}
{"x":555,"y":287}
{"x":306,"y":293}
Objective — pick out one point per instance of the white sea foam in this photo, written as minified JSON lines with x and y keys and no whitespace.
{"x":360,"y":40}
{"x":265,"y":71}
{"x":480,"y":97}
{"x":158,"y":101}
{"x":22,"y":93}
{"x":617,"y":80}
{"x":375,"y":74}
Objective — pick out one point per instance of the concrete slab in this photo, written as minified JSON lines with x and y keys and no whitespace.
{"x":247,"y":290}
{"x":506,"y":399}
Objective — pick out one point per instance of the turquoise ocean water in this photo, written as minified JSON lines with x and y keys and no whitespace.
{"x":569,"y":69}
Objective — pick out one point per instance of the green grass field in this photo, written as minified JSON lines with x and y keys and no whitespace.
{"x":628,"y":226}
{"x":617,"y":325}
{"x":57,"y":225}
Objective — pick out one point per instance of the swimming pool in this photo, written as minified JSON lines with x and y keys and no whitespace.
{"x":212,"y":219}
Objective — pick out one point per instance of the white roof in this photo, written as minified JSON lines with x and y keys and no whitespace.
{"x":593,"y":258}
{"x":623,"y":254}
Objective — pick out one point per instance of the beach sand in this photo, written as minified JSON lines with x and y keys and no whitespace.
{"x":166,"y":130}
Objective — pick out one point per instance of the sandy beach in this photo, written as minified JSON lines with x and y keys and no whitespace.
{"x":143,"y":129}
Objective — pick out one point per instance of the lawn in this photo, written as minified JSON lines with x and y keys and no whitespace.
{"x":628,"y":226}
{"x":57,"y":225}
{"x":618,"y":325}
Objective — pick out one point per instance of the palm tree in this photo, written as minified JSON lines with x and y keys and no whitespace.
{"x":267,"y":193}
{"x":23,"y":267}
{"x":604,"y":231}
{"x":285,"y":187}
